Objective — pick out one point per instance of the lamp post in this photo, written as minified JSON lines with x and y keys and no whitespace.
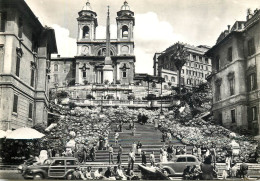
{"x":101,"y":104}
{"x":161,"y":81}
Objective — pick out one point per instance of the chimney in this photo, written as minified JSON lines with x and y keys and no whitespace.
{"x":228,"y":28}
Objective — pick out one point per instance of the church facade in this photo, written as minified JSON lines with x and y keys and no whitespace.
{"x":89,"y":65}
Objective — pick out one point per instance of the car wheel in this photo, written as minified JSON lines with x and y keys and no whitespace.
{"x":69,"y":176}
{"x":37,"y":176}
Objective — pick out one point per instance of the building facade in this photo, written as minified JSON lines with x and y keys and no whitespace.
{"x":88,"y":66}
{"x":25,"y":49}
{"x":236,"y":75}
{"x":194,"y":72}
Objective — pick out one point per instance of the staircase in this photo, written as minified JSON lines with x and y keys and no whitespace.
{"x":146,"y":134}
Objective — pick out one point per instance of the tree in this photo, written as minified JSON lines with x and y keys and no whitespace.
{"x":179,"y":56}
{"x":148,"y":79}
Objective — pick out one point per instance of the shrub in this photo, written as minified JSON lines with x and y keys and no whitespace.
{"x":89,"y":96}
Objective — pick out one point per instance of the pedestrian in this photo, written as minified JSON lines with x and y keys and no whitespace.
{"x":169,"y":152}
{"x":93,"y":153}
{"x":234,"y":170}
{"x":186,"y":173}
{"x":144,"y":158}
{"x":228,"y":162}
{"x":244,"y":169}
{"x":207,"y":169}
{"x":139,"y":148}
{"x":88,"y":173}
{"x":120,"y":173}
{"x":133,"y":131}
{"x":116,"y":138}
{"x":155,"y":123}
{"x":134,"y":147}
{"x":152,"y":159}
{"x":131,"y":160}
{"x":120,"y":126}
{"x":111,"y":157}
{"x":119,"y":155}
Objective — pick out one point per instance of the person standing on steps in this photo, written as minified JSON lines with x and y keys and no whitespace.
{"x":120,"y":126}
{"x":119,"y":155}
{"x":111,"y":157}
{"x":144,"y":158}
{"x":134,"y":147}
{"x":152,"y":159}
{"x":116,"y":138}
{"x":139,"y":148}
{"x":131,"y":160}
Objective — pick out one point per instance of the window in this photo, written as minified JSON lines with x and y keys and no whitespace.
{"x":220,"y":119}
{"x":187,"y":71}
{"x":200,"y":59}
{"x":34,"y":43}
{"x":173,"y":79}
{"x":166,"y":77}
{"x":231,"y":85}
{"x":17,"y":69}
{"x":3,"y":19}
{"x":70,"y":162}
{"x":30,"y":110}
{"x":188,"y":81}
{"x":55,"y":78}
{"x":191,"y":159}
{"x":217,"y":63}
{"x":206,"y":60}
{"x":229,"y":54}
{"x":56,"y":67}
{"x":218,"y":90}
{"x":58,"y":163}
{"x":20,"y":28}
{"x":124,"y":31}
{"x":124,"y":74}
{"x":182,"y":81}
{"x":85,"y":32}
{"x":254,"y":113}
{"x":84,"y":74}
{"x":32,"y":78}
{"x":202,"y":75}
{"x":181,"y":159}
{"x":252,"y":82}
{"x":251,"y":46}
{"x":233,"y":116}
{"x":194,"y":57}
{"x":15,"y":103}
{"x":182,"y":71}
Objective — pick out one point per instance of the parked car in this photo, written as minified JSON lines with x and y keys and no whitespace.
{"x":53,"y":168}
{"x":178,"y":164}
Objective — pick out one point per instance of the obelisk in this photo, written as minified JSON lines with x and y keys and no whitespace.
{"x":108,"y":69}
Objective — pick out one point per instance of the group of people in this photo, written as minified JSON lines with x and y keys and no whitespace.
{"x":115,"y":173}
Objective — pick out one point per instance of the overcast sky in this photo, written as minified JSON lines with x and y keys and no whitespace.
{"x":159,"y":23}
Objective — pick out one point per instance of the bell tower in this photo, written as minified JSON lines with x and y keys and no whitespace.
{"x":87,"y":23}
{"x":125,"y":23}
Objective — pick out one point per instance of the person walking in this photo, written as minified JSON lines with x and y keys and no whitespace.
{"x":131,"y":160}
{"x":111,"y":157}
{"x":207,"y":169}
{"x":152,"y":159}
{"x":134,"y":147}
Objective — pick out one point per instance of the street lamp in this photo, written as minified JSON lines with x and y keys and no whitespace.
{"x":161,"y":81}
{"x":101,"y":104}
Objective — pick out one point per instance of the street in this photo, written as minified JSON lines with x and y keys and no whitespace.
{"x":10,"y":174}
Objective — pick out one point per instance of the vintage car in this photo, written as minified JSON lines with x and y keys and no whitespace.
{"x":178,"y":164}
{"x":53,"y":168}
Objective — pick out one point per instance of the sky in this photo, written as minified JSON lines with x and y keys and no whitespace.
{"x":158,"y":23}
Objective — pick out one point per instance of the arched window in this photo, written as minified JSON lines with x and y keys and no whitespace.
{"x":102,"y":52}
{"x":166,"y":77}
{"x":125,"y":49}
{"x":56,"y":68}
{"x":124,"y":31}
{"x":85,"y":32}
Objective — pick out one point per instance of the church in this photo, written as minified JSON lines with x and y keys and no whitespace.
{"x":98,"y":61}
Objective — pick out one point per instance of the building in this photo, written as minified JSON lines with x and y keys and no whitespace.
{"x":25,"y":50}
{"x":194,"y":72}
{"x":155,"y":63}
{"x":89,"y":65}
{"x":236,"y":70}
